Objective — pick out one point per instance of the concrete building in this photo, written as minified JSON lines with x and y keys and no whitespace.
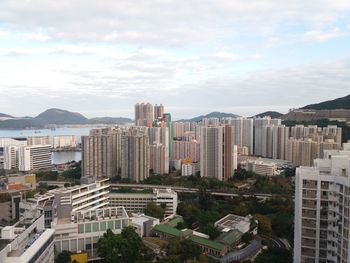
{"x":143,"y":224}
{"x":157,"y":159}
{"x":27,"y":244}
{"x":10,"y":157}
{"x":262,"y":168}
{"x":234,"y":222}
{"x":158,"y":112}
{"x":186,"y":150}
{"x":101,"y":152}
{"x":144,"y":114}
{"x":160,"y":136}
{"x":12,"y":142}
{"x":137,"y":202}
{"x":38,"y":140}
{"x":135,"y":159}
{"x":27,"y":158}
{"x":82,"y":229}
{"x":64,"y":141}
{"x":188,"y":169}
{"x":242,"y":132}
{"x":259,"y":124}
{"x":217,"y":151}
{"x":9,"y":205}
{"x":80,"y":215}
{"x":322,"y":196}
{"x":304,"y":151}
{"x":35,"y":157}
{"x":280,"y":135}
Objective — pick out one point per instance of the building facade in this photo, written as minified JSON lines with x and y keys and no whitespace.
{"x":322,"y":199}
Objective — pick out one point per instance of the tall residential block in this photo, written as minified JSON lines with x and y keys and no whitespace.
{"x":135,"y":160}
{"x":322,"y":214}
{"x":186,"y":150}
{"x":101,"y":153}
{"x":160,"y":136}
{"x":144,"y":114}
{"x":216,"y":154}
{"x":259,"y":124}
{"x":158,"y":111}
{"x":157,"y":159}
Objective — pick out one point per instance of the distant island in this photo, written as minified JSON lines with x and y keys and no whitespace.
{"x":56,"y":117}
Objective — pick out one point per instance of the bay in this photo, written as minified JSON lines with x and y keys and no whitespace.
{"x":57,"y":157}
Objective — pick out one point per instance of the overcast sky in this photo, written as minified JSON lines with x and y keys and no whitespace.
{"x":100,"y":57}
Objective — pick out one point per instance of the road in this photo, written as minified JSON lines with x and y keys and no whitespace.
{"x":179,"y":189}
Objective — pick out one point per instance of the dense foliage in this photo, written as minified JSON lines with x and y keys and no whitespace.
{"x":339,"y":103}
{"x":63,"y":257}
{"x":125,"y":247}
{"x":275,"y":215}
{"x":274,"y":254}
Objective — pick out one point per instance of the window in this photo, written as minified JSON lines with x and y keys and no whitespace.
{"x":88,"y":228}
{"x":81,"y":228}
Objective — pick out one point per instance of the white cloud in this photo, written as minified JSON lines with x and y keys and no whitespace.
{"x":164,"y":22}
{"x":36,"y":36}
{"x":320,"y":36}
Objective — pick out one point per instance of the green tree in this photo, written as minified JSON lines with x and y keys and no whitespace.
{"x":130,"y":245}
{"x":264,"y":223}
{"x":63,"y":257}
{"x":125,"y":247}
{"x":211,"y":230}
{"x":189,"y":250}
{"x":247,"y":237}
{"x":154,"y":210}
{"x":274,"y":254}
{"x":107,"y":247}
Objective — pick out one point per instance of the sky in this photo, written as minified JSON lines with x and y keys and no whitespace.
{"x":100,"y":57}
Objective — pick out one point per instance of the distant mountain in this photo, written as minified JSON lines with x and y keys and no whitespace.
{"x":210,"y":115}
{"x":3,"y":115}
{"x":272,"y":114}
{"x":340,"y":103}
{"x":57,"y":117}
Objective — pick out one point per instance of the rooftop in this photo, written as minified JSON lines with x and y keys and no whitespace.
{"x":229,"y":238}
{"x":231,"y":221}
{"x":208,"y":243}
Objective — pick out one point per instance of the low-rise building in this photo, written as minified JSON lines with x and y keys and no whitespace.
{"x":82,"y":229}
{"x":64,"y":141}
{"x":235,"y":222}
{"x":143,"y":224}
{"x":262,"y":168}
{"x":137,"y":202}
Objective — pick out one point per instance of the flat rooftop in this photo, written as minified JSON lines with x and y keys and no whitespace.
{"x":231,"y":221}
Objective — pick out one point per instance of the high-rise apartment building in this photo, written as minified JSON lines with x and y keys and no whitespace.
{"x":259,"y":124}
{"x":38,"y":140}
{"x":101,"y":152}
{"x":322,"y":217}
{"x":158,"y":112}
{"x":10,"y":157}
{"x":144,"y":114}
{"x":160,"y":136}
{"x":62,"y":141}
{"x":186,"y":150}
{"x":216,"y":153}
{"x":280,"y":135}
{"x":157,"y":159}
{"x":135,"y":159}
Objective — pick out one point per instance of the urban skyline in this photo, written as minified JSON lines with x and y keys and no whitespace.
{"x":229,"y":56}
